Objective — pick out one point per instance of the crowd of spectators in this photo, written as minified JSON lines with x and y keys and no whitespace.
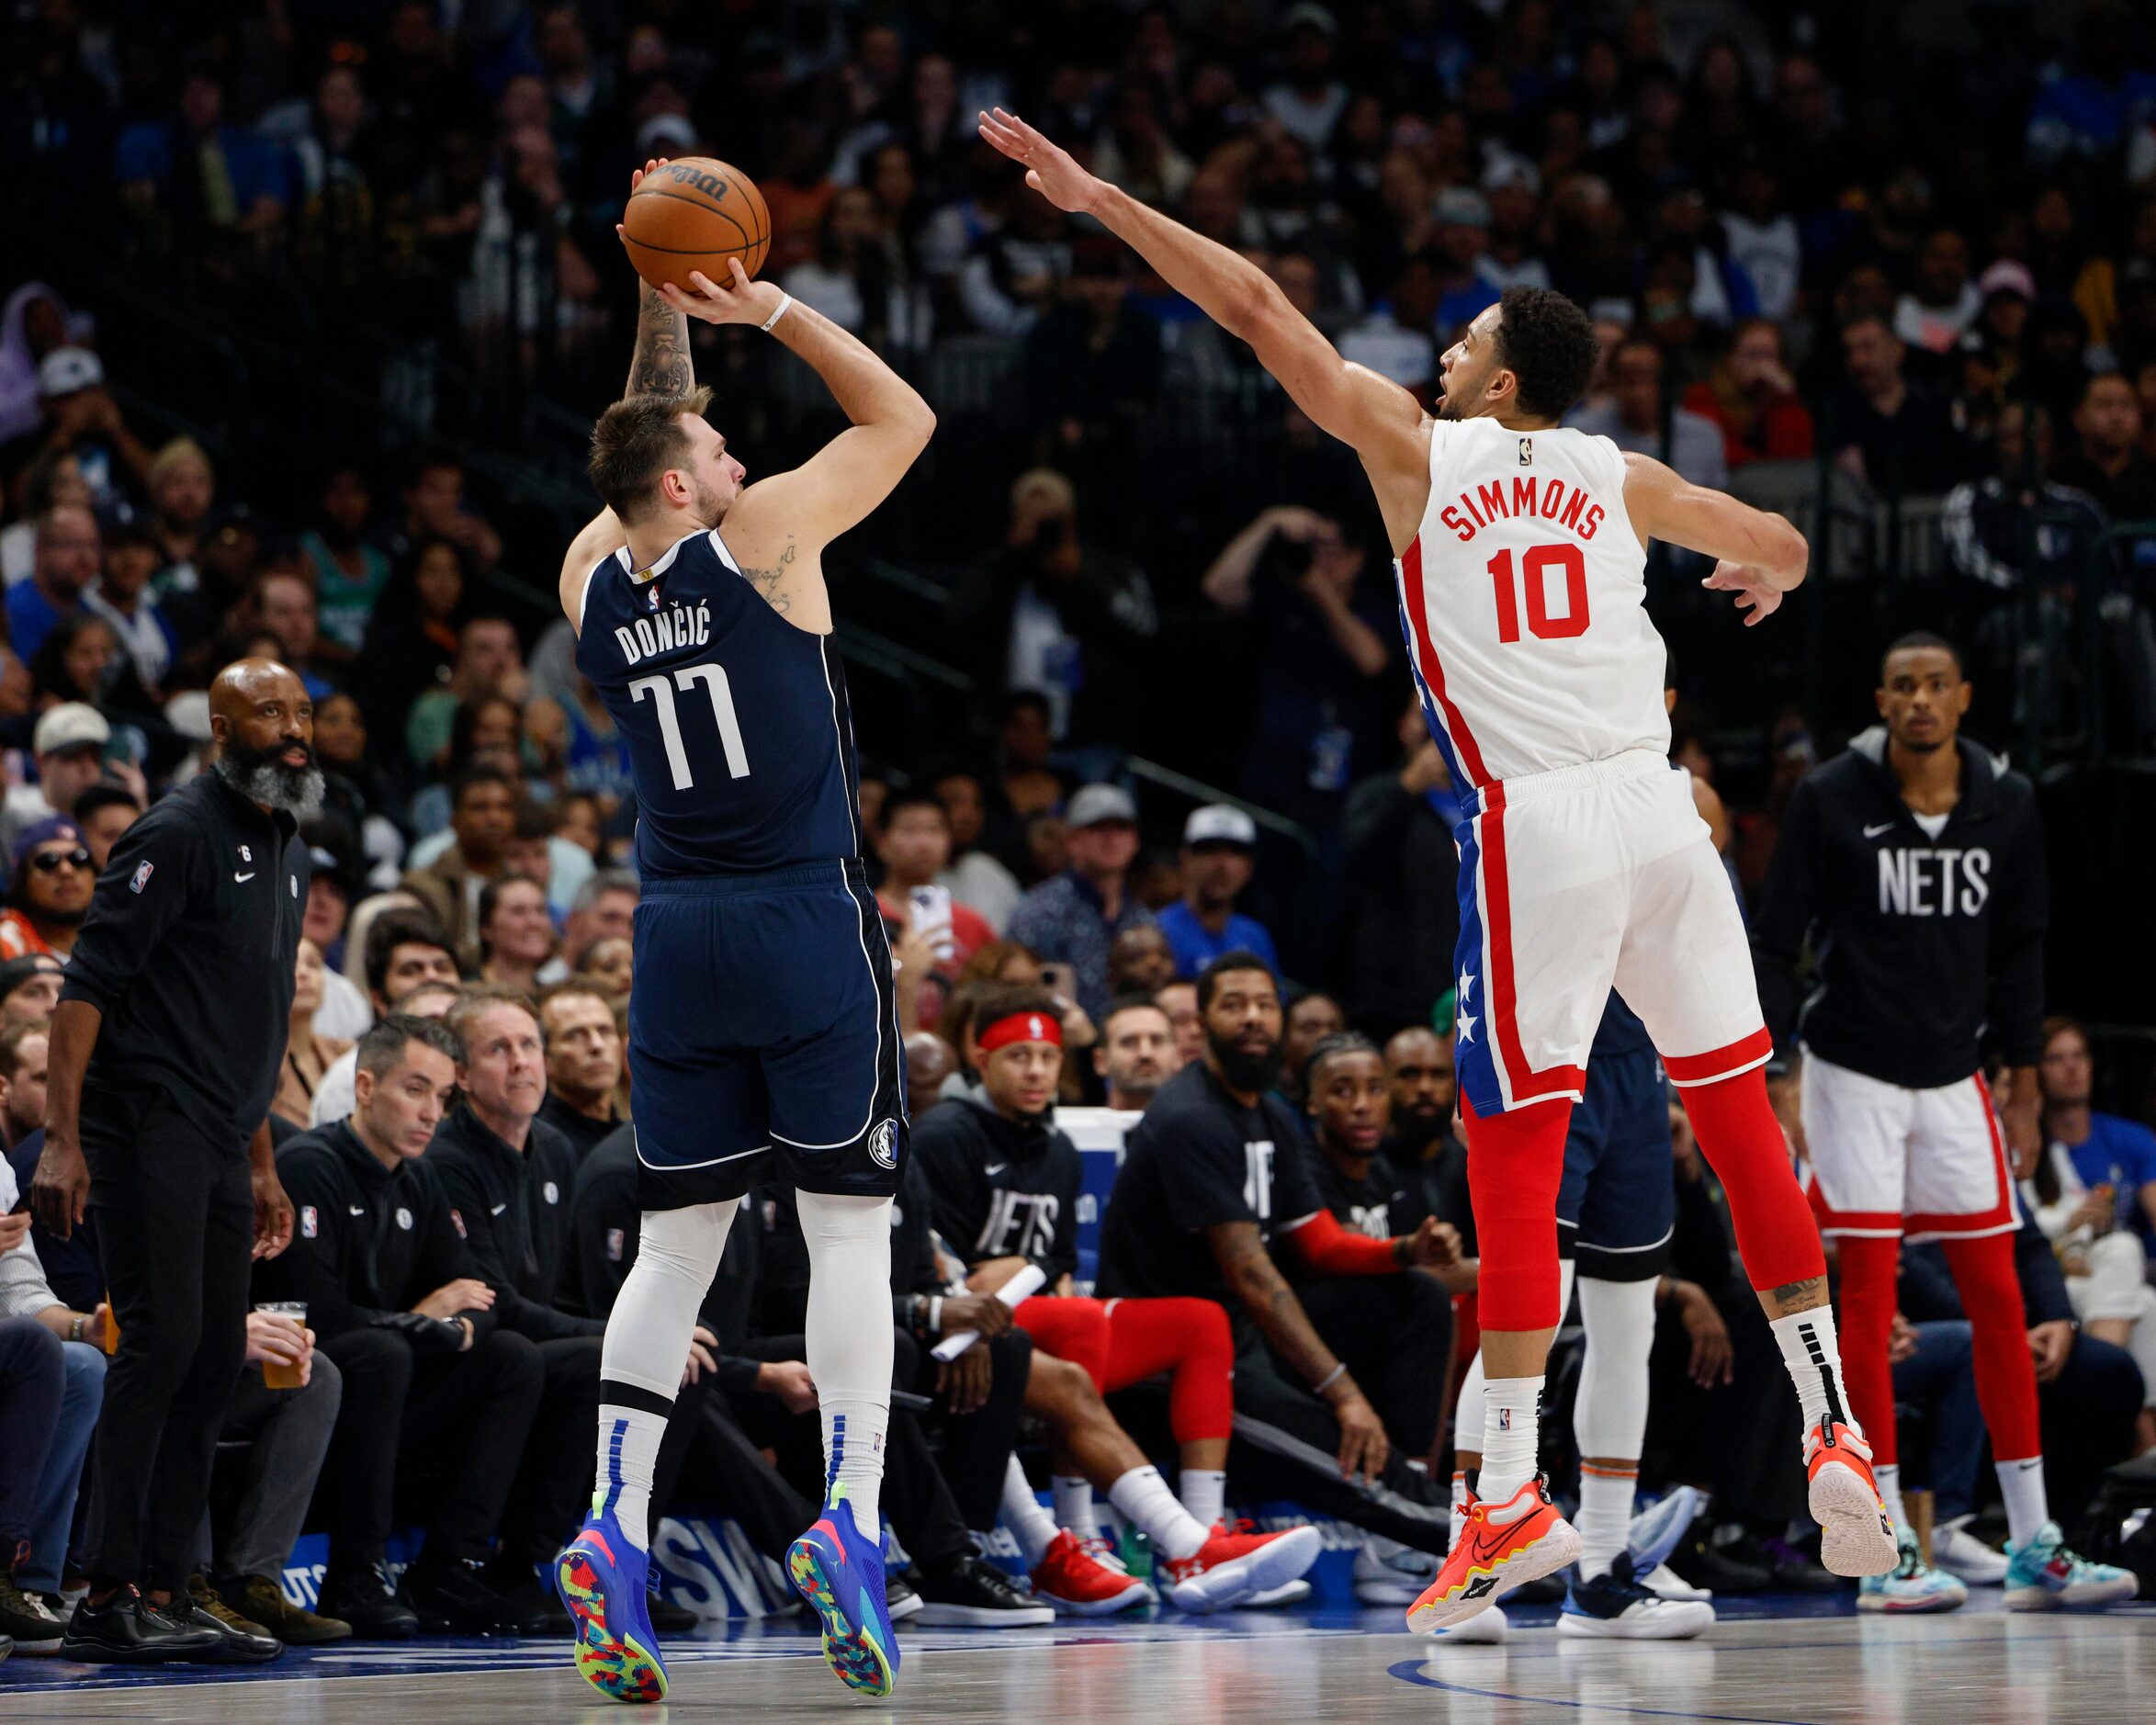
{"x":1953,"y":298}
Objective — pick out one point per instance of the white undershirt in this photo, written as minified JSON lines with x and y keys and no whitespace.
{"x":1932,"y":825}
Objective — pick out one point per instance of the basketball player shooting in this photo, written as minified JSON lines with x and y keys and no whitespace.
{"x":763,"y":1038}
{"x":1521,"y":556}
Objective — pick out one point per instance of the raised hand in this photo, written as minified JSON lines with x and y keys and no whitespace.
{"x":1756,"y":596}
{"x":741,"y":301}
{"x":1050,"y":169}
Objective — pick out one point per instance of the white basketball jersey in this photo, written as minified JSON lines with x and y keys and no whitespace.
{"x":1523,"y":601}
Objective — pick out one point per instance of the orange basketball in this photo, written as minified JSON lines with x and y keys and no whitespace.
{"x":693,"y":214}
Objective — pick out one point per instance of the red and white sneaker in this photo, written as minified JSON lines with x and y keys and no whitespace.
{"x":1501,"y":1545}
{"x":1235,"y":1562}
{"x":1856,"y":1534}
{"x":1079,"y":1585}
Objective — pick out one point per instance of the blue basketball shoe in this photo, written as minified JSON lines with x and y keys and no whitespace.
{"x":842,"y":1575}
{"x":2043,"y":1576}
{"x":601,"y":1577}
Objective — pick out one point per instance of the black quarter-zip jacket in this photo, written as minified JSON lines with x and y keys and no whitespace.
{"x":513,"y":1209}
{"x":188,"y":951}
{"x":1922,"y":949}
{"x":369,"y":1243}
{"x":1001,"y":1188}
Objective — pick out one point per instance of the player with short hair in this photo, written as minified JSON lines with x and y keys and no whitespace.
{"x":764,"y":1037}
{"x":1521,"y":561}
{"x":1914,"y":863}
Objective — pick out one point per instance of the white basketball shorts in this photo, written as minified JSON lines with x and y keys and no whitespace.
{"x":1924,"y":1165}
{"x":1579,"y":879}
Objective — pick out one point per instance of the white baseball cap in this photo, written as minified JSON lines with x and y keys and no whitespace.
{"x":1097,"y":803}
{"x":71,"y":725}
{"x":1220,"y":823}
{"x":66,"y":369}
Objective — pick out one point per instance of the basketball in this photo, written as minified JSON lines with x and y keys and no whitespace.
{"x":693,"y":214}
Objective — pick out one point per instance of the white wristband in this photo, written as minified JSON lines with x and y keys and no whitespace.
{"x":935,"y":1301}
{"x":785,"y":301}
{"x":1330,"y":1377}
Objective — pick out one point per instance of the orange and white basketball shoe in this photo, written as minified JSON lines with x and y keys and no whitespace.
{"x":1500,"y":1546}
{"x":1856,"y":1534}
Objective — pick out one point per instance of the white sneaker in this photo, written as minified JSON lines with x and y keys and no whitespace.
{"x":1287,"y":1594}
{"x":1615,"y":1606}
{"x":1910,"y":1585}
{"x":1486,"y":1628}
{"x":1390,"y":1573}
{"x":1667,"y":1582}
{"x":1967,"y":1558}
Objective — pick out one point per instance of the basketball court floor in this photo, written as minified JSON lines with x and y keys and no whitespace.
{"x":1775,"y":1662}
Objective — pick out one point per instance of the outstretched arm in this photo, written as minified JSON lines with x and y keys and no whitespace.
{"x":1378,"y":419}
{"x":1760,"y":556}
{"x":662,"y":364}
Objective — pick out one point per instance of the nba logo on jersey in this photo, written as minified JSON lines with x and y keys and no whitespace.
{"x":1527,"y":452}
{"x":883,"y":1145}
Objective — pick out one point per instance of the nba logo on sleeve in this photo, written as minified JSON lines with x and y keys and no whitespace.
{"x":883,"y":1145}
{"x":141,"y":877}
{"x":310,"y":1224}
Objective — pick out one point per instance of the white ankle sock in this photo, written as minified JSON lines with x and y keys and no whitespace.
{"x":1890,"y":1491}
{"x":1142,"y":1495}
{"x":1511,"y":1424}
{"x":1605,"y":1518}
{"x":2021,"y":1484}
{"x":1813,"y":1356}
{"x":1033,"y":1526}
{"x":850,"y":1276}
{"x":1205,"y":1494}
{"x":628,"y":1455}
{"x":1074,"y":1506}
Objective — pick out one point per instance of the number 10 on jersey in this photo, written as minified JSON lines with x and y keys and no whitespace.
{"x":1535,"y":567}
{"x":660,"y":690}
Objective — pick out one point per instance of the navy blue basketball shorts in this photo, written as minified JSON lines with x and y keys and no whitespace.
{"x":764,"y":1038}
{"x":1617,"y":1205}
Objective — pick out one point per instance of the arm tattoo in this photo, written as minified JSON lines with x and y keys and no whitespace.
{"x":660,"y":365}
{"x":1271,"y":1300}
{"x":766,"y":581}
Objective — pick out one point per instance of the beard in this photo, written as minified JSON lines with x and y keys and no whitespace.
{"x":1248,"y":1070}
{"x":261,"y":776}
{"x":1414,"y":1129}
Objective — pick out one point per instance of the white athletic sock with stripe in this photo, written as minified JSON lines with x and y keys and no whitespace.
{"x":1890,"y":1490}
{"x":628,"y":1459}
{"x":1033,"y":1526}
{"x":1813,"y":1355}
{"x":1605,"y":1518}
{"x":1142,"y":1495}
{"x":1074,"y":1506}
{"x":1205,"y":1494}
{"x":1511,"y":1428}
{"x":849,"y":1279}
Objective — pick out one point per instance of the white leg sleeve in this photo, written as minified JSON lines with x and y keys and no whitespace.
{"x":647,"y":1333}
{"x":1610,"y":1416}
{"x":850,"y":1341}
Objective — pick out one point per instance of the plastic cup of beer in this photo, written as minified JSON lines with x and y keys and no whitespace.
{"x":278,"y":1374}
{"x":108,"y":1332}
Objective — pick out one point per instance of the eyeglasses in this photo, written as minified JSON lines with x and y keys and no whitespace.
{"x":53,"y":861}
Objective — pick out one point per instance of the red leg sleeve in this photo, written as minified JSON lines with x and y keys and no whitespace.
{"x":1777,"y":1235}
{"x":1867,"y":1321}
{"x":1076,"y":1330}
{"x":1989,"y":1287}
{"x":1515,"y":1164}
{"x":1188,"y":1338}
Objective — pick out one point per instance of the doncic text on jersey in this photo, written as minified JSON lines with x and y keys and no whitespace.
{"x":677,"y":626}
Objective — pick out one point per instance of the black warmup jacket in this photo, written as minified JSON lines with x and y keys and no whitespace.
{"x":188,"y":951}
{"x":513,"y":1208}
{"x":1001,"y":1188}
{"x":369,"y":1243}
{"x":1922,"y":949}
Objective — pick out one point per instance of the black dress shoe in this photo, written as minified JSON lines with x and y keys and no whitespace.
{"x":237,"y":1641}
{"x":128,"y":1629}
{"x":1722,"y":1571}
{"x":519,"y":1583}
{"x":669,"y":1619}
{"x":363,"y":1600}
{"x":452,"y":1597}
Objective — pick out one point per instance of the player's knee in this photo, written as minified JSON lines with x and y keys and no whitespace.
{"x":827,"y":1219}
{"x":684,"y":1245}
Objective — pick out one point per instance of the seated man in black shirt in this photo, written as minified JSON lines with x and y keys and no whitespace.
{"x":1006,"y":1184}
{"x":583,"y":1064}
{"x":1211,"y":1177}
{"x":1426,"y":1087}
{"x":508,"y":1177}
{"x":395,"y":1300}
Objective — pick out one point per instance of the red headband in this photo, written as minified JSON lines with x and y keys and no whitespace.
{"x":1020,"y":1027}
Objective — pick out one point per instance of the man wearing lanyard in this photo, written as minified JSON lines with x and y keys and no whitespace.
{"x":164,"y":1053}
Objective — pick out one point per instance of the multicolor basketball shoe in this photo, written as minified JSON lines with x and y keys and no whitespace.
{"x":842,"y":1575}
{"x":1500,"y":1546}
{"x":1856,"y":1534}
{"x":601,"y":1577}
{"x":2043,"y":1576}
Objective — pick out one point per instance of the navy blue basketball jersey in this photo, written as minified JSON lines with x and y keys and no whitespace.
{"x":739,"y":740}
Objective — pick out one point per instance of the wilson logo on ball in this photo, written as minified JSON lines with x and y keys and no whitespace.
{"x":710,"y":184}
